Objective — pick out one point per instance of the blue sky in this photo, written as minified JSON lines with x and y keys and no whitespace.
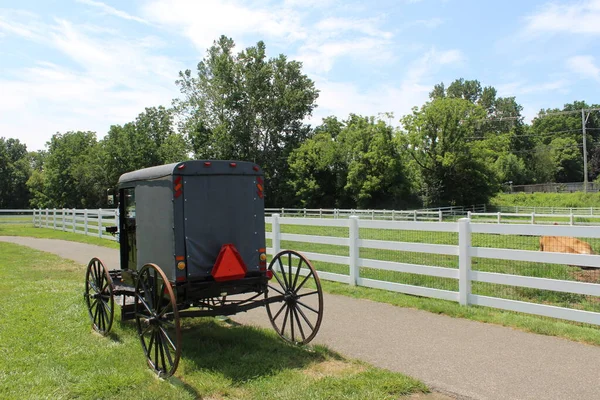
{"x":88,"y":64}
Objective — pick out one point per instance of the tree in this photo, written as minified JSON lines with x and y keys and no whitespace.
{"x":14,"y":173}
{"x":245,"y":106}
{"x":66,"y":180}
{"x":351,"y":164}
{"x":148,"y":141}
{"x":435,"y":137}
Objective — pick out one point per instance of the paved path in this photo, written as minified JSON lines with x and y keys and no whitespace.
{"x":463,"y":358}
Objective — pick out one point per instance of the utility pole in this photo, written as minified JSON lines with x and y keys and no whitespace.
{"x":585,"y":170}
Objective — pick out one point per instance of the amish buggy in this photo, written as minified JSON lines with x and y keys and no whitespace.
{"x":192,"y":244}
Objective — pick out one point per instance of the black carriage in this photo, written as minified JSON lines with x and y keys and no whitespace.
{"x":192,"y":243}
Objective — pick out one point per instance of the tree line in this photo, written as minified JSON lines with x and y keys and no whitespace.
{"x":458,"y":148}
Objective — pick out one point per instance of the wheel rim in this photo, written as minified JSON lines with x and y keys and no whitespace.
{"x":297,"y":317}
{"x":99,"y":296}
{"x":157,"y":320}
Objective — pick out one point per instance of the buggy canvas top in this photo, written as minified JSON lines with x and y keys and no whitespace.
{"x":188,"y":211}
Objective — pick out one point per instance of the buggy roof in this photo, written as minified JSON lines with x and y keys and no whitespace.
{"x":193,"y":167}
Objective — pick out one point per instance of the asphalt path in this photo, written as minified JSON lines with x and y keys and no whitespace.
{"x":461,"y":358}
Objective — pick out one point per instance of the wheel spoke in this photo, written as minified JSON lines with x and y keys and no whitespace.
{"x":279,"y":312}
{"x":166,"y":336}
{"x":161,"y":350}
{"x":309,"y":307}
{"x":277,"y":290}
{"x":303,"y":282}
{"x":282,"y":269}
{"x":167,"y":352}
{"x":292,"y":321}
{"x":146,"y":292}
{"x":312,"y":328}
{"x":277,"y":278}
{"x":145,"y":330}
{"x":146,"y":306}
{"x":287,"y":310}
{"x":297,"y":274}
{"x":308,"y":294}
{"x":299,"y":324}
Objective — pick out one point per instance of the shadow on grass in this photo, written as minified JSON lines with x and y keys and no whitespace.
{"x":238,"y":352}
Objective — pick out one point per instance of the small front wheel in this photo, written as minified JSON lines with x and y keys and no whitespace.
{"x":157,"y":320}
{"x":99,"y":296}
{"x":297,"y":316}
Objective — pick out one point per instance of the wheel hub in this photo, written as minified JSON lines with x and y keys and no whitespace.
{"x":290,"y":297}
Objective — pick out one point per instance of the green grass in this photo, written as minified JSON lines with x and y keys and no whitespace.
{"x":542,"y":325}
{"x":24,"y":230}
{"x":578,"y":199}
{"x":48,"y":350}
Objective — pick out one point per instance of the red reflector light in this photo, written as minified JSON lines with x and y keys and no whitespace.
{"x":182,"y":166}
{"x":255,"y":168}
{"x":207,"y":164}
{"x":233,"y":165}
{"x":180,"y":258}
{"x":180,"y":279}
{"x":229,"y":264}
{"x":269,"y":275}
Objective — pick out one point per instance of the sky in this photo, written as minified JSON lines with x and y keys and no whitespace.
{"x":86,"y":64}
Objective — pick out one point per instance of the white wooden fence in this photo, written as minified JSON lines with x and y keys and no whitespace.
{"x":16,"y":217}
{"x":536,"y":218}
{"x":464,"y":250}
{"x":87,"y":222}
{"x":92,"y":222}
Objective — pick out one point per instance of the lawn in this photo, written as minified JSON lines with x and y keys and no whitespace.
{"x":49,"y":351}
{"x":531,"y":323}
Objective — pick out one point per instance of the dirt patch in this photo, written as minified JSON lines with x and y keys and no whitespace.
{"x":333,"y":368}
{"x":590,"y":276}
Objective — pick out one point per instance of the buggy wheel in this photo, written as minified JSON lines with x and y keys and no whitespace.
{"x":297,"y":316}
{"x":99,"y":296}
{"x":157,"y":320}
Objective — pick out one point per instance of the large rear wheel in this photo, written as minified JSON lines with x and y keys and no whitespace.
{"x":99,"y":296}
{"x":297,"y":316}
{"x":157,"y":320}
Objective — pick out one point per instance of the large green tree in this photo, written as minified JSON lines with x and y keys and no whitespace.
{"x":351,"y":164}
{"x":66,"y":179}
{"x":436,"y":137}
{"x":148,"y":141}
{"x":245,"y":106}
{"x":15,"y":170}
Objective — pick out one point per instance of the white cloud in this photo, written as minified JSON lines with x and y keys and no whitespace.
{"x":520,"y":88}
{"x":584,"y":66}
{"x":343,"y":98}
{"x":577,"y":17}
{"x":112,"y":11}
{"x":204,"y":21}
{"x":112,"y":80}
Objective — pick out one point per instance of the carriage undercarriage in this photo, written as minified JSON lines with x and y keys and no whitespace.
{"x":156,"y":308}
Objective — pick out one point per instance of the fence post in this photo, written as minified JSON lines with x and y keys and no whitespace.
{"x":100,"y":223}
{"x":440,"y":216}
{"x":85,"y":221}
{"x":571,"y":219}
{"x":499,"y":217}
{"x":47,"y":218}
{"x":464,"y":261}
{"x":275,"y":234}
{"x":415,"y":215}
{"x":320,"y":213}
{"x":63,"y":219}
{"x":353,"y":249}
{"x":304,"y":212}
{"x":484,"y":208}
{"x":74,"y":221}
{"x":533,"y":217}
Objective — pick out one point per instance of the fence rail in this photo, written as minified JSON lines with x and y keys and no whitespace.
{"x":536,"y":218}
{"x":359,"y":246}
{"x":16,"y":216}
{"x":547,"y":210}
{"x":430,"y":214}
{"x":87,"y":222}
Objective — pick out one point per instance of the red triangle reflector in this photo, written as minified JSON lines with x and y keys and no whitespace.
{"x":229,"y":264}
